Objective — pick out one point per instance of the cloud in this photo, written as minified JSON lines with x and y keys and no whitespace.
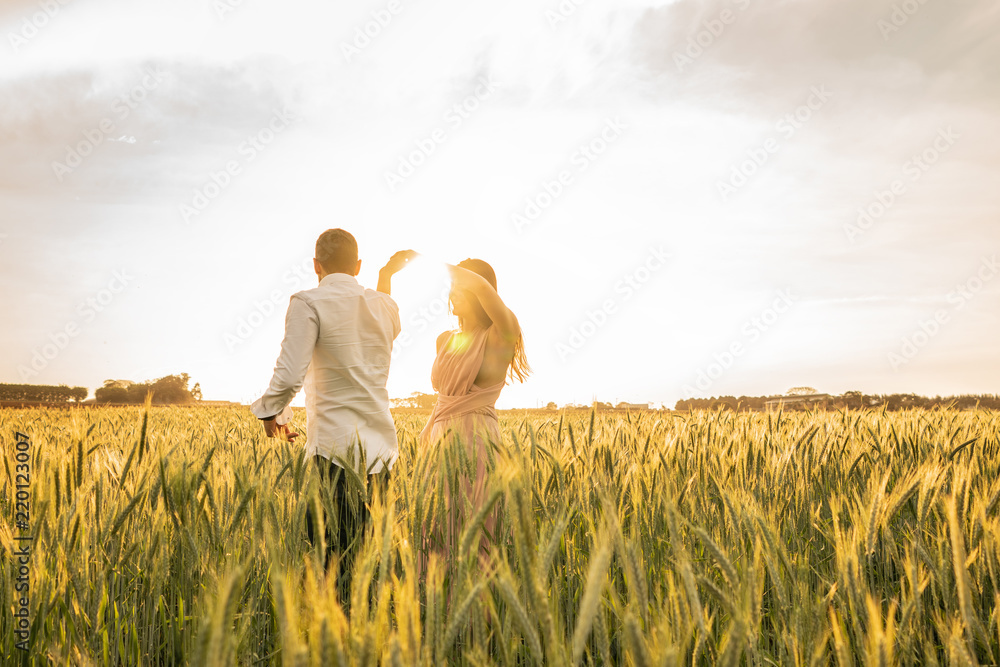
{"x":165,"y":108}
{"x":769,"y":51}
{"x":689,"y":128}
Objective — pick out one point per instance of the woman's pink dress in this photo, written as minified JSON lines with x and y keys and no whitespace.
{"x":462,"y":406}
{"x":464,"y":409}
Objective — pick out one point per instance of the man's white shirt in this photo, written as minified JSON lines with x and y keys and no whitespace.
{"x":338,"y":343}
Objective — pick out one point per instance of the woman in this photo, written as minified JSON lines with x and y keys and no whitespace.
{"x":472,"y":366}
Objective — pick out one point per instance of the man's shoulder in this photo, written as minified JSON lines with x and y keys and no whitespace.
{"x":329,"y":290}
{"x":307,"y":295}
{"x":380,"y":297}
{"x":342,"y":291}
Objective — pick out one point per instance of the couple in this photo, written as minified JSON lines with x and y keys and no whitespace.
{"x":338,"y":343}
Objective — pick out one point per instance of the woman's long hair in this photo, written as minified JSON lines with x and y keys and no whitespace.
{"x":519,"y":368}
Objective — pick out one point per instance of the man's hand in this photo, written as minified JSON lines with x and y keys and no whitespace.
{"x":275,"y":430}
{"x":392,"y":267}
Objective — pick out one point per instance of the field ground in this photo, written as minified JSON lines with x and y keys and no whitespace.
{"x":174,"y":536}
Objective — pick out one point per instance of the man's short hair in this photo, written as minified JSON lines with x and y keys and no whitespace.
{"x":337,"y":251}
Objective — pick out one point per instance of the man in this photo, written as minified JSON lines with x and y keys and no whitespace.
{"x":338,"y":342}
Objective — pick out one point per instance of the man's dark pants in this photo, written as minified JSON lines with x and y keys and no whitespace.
{"x":345,"y":532}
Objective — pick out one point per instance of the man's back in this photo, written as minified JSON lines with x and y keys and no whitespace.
{"x":345,"y":384}
{"x":338,"y":343}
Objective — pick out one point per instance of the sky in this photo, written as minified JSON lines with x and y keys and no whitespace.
{"x":680,"y":199}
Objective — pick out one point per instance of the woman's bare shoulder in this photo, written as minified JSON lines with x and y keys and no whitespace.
{"x":443,"y":338}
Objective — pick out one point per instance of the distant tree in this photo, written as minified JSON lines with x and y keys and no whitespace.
{"x":168,"y":390}
{"x":423,"y":401}
{"x":415,"y":400}
{"x":196,"y":391}
{"x":748,"y":403}
{"x":903,"y":401}
{"x":551,"y":406}
{"x":111,"y":392}
{"x":965,"y":402}
{"x":853,"y":400}
{"x":724,"y":403}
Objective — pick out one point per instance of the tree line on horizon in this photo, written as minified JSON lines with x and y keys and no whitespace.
{"x":173,"y":390}
{"x":42,"y":393}
{"x":167,"y":390}
{"x":854,"y":400}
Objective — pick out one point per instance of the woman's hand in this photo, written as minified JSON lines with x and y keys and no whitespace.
{"x":392,"y":267}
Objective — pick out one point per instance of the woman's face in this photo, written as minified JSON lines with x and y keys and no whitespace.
{"x":461,"y":303}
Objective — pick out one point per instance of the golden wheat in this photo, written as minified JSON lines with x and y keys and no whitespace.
{"x":174,"y":536}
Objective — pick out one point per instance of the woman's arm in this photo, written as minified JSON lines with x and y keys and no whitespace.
{"x":391,"y":268}
{"x":503,"y":319}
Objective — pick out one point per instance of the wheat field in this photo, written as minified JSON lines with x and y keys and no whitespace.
{"x":175,"y":536}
